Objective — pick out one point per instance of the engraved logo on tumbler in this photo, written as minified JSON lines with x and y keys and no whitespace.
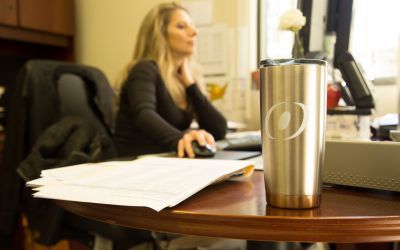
{"x":290,"y":120}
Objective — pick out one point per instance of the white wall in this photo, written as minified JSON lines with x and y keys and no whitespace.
{"x":398,"y":80}
{"x":386,"y":99}
{"x":106,"y":31}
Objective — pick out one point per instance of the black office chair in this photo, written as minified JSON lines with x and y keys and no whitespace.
{"x":46,"y":94}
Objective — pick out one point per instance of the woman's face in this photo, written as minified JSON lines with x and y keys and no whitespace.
{"x":181,"y":33}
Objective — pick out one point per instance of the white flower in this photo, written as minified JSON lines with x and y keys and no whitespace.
{"x":292,"y":20}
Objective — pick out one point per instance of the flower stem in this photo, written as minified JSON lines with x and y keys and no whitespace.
{"x":298,"y":51}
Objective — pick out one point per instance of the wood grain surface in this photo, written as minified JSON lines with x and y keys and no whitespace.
{"x":237,"y":209}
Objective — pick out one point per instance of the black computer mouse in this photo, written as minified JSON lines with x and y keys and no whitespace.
{"x":202,"y":151}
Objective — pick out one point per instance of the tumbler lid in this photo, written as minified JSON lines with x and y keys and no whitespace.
{"x":291,"y":61}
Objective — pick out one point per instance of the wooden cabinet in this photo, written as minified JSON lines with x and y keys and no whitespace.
{"x":34,"y":29}
{"x":54,"y":16}
{"x":8,"y":12}
{"x":49,"y":22}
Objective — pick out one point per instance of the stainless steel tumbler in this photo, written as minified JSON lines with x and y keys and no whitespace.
{"x":293,"y":114}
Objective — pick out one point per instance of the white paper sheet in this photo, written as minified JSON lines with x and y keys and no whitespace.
{"x":153,"y":182}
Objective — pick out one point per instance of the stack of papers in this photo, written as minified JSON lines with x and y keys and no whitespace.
{"x":153,"y":182}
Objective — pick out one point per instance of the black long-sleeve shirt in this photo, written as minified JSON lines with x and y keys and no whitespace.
{"x":148,"y":120}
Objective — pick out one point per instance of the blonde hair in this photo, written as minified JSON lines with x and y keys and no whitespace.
{"x":152,"y":44}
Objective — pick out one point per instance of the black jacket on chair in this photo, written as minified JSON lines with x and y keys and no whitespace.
{"x":71,"y":141}
{"x":34,"y":105}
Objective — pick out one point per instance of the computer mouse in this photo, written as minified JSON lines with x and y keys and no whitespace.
{"x":202,"y":151}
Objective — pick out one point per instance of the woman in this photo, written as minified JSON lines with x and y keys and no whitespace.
{"x":161,"y":95}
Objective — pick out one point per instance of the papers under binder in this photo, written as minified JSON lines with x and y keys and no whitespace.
{"x":152,"y":182}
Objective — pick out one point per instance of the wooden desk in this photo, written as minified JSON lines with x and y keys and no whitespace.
{"x":238,"y":210}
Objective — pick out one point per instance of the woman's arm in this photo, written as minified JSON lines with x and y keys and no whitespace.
{"x":140,"y":91}
{"x":208,"y":117}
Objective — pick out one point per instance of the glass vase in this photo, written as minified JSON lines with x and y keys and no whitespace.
{"x":298,"y":49}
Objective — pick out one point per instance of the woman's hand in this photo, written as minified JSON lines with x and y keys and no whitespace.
{"x":184,"y":75}
{"x":185,"y":143}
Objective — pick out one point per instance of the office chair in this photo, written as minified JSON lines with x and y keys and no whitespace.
{"x":46,"y":93}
